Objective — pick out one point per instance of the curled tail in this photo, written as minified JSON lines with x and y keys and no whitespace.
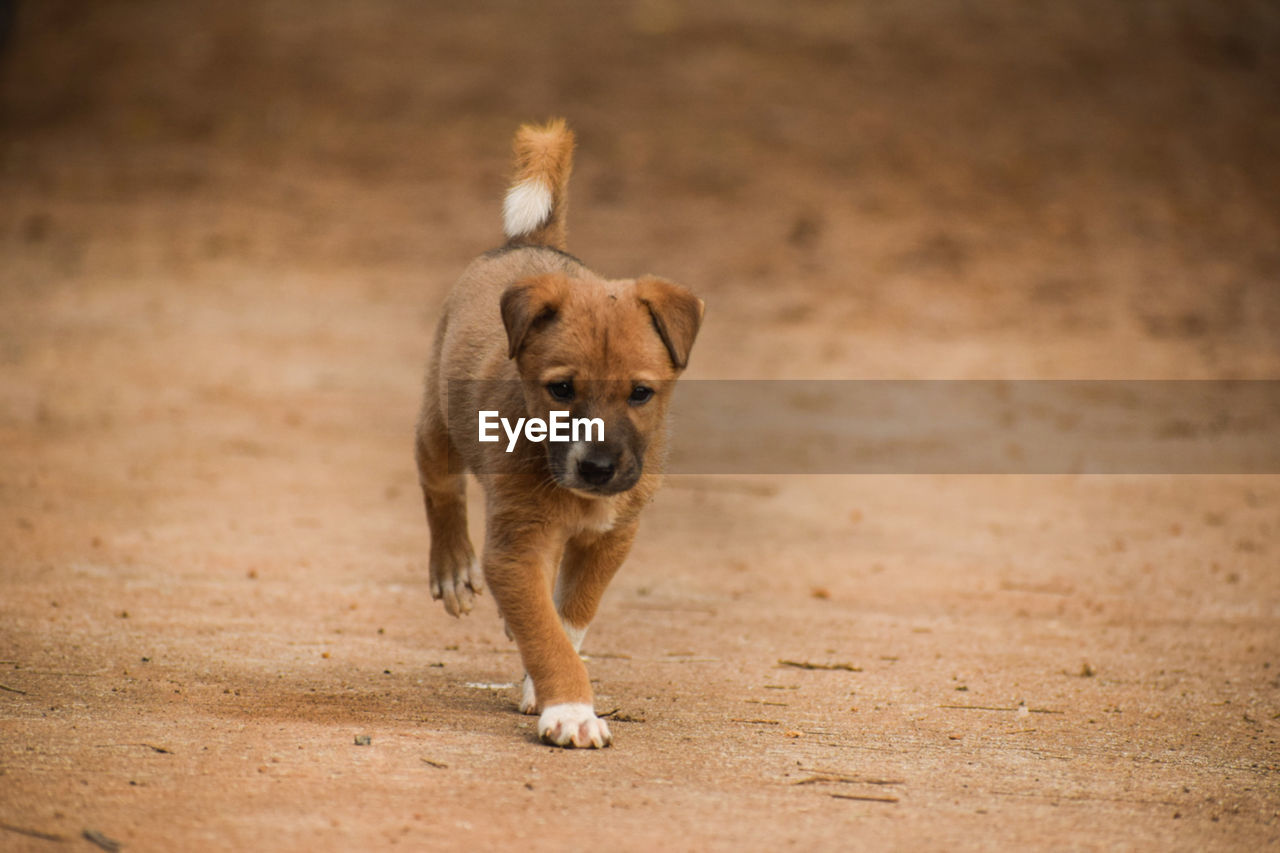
{"x":533,"y":212}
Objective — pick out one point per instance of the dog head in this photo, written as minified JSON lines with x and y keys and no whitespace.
{"x":607,"y":351}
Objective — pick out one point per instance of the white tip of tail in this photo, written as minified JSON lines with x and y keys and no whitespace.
{"x":526,"y":207}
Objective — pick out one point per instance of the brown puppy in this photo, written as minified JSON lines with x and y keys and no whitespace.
{"x":527,"y":331}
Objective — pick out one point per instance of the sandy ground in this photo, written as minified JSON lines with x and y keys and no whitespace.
{"x":223,"y":238}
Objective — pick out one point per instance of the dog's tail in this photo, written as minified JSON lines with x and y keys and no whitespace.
{"x":533,"y":212}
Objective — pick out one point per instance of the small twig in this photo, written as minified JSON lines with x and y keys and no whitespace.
{"x":976,"y":708}
{"x":865,"y":799}
{"x":1083,"y":798}
{"x":437,"y":764}
{"x":31,"y":833}
{"x":13,"y":689}
{"x":103,"y":841}
{"x":762,"y":702}
{"x":801,"y":664}
{"x":814,"y":780}
{"x":755,"y":722}
{"x":618,"y":715}
{"x":995,"y":708}
{"x":150,"y":746}
{"x":859,"y":746}
{"x":846,"y":776}
{"x":848,"y":780}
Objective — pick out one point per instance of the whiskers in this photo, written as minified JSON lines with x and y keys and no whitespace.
{"x":547,"y":484}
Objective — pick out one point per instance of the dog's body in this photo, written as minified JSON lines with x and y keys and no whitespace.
{"x":528,"y":330}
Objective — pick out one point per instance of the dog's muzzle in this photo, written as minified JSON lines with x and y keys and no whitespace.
{"x":597,"y":470}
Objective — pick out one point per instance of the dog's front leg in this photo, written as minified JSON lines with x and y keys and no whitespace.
{"x":590,"y":562}
{"x":514,"y":567}
{"x":455,"y":574}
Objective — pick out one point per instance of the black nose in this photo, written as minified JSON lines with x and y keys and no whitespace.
{"x":596,"y":469}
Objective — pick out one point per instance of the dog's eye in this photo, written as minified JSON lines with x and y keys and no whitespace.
{"x":640,"y":395}
{"x":562,"y":390}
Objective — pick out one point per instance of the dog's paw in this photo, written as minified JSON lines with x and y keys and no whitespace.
{"x":457,"y":585}
{"x":573,"y":724}
{"x":528,"y":697}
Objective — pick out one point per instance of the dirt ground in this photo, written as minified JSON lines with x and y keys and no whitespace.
{"x":224,"y":232}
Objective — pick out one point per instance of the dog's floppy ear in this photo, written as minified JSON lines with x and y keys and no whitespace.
{"x":676,"y":314}
{"x":529,"y":303}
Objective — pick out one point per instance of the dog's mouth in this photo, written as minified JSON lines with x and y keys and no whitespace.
{"x":599,"y":491}
{"x":593,"y":494}
{"x":579,"y":487}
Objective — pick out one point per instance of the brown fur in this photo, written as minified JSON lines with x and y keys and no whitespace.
{"x":546,"y":154}
{"x":529,"y":315}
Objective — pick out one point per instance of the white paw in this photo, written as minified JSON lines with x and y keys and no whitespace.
{"x":458,"y":588}
{"x":528,"y":697}
{"x":573,"y":724}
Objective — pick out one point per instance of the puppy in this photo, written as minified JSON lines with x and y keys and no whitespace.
{"x":527,"y":331}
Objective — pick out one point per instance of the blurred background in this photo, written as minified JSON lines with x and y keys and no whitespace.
{"x":940,"y":188}
{"x":225,"y":229}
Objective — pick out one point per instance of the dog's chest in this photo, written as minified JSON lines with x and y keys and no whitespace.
{"x":599,"y":516}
